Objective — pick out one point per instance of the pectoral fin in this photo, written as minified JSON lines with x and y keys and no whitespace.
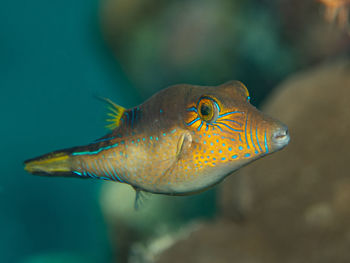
{"x":140,"y":198}
{"x":183,"y":144}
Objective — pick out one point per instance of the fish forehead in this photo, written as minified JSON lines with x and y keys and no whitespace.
{"x":228,"y":94}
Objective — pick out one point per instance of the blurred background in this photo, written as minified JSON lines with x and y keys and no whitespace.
{"x":57,"y":56}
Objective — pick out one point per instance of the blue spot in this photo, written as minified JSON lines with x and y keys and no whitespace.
{"x":138,"y":140}
{"x":151,"y":138}
{"x":173,"y":131}
{"x":214,"y":159}
{"x":164,"y":134}
{"x":121,"y":153}
{"x":211,"y":144}
{"x":211,"y":151}
{"x":217,"y":140}
{"x":229,"y":148}
{"x":143,"y":139}
{"x":132,"y":141}
{"x":208,"y":157}
{"x":223,"y":158}
{"x":240,"y":148}
{"x":213,"y":163}
{"x":223,"y":144}
{"x":256,"y":152}
{"x":220,"y":151}
{"x":122,"y":142}
{"x":157,"y":139}
{"x":205,"y":161}
{"x":234,"y":156}
{"x":204,"y":142}
{"x":247,"y":155}
{"x":208,"y":135}
{"x":161,"y":111}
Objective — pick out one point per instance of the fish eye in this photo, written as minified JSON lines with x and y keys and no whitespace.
{"x":208,"y":109}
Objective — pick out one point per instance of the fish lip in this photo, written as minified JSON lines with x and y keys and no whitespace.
{"x":281,"y":137}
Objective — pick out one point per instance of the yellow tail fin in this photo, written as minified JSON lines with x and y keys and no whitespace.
{"x":49,"y":164}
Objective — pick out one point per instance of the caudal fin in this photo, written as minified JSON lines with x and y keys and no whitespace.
{"x":51,"y":164}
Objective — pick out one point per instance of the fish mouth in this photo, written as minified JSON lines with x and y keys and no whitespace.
{"x":280,"y":137}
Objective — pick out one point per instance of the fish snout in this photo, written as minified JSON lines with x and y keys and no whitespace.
{"x":279,"y":137}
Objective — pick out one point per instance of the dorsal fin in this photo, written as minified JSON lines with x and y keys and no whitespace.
{"x":115,"y":114}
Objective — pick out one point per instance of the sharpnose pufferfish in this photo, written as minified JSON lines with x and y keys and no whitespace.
{"x":181,"y":141}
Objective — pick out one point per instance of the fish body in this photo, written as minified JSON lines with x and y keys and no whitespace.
{"x":182,"y":140}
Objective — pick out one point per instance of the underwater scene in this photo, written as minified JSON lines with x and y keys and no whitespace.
{"x":207,"y":131}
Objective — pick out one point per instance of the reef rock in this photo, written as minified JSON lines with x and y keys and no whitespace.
{"x":294,"y":205}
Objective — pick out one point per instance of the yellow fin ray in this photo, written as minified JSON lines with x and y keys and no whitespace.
{"x":116,"y":113}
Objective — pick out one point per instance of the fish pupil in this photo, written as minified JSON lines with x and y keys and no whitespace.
{"x":205,"y":110}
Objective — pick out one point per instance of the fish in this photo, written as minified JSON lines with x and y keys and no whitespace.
{"x":183,"y":140}
{"x":337,"y":11}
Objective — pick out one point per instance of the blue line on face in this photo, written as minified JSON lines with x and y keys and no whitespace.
{"x":266,"y":147}
{"x":193,"y":109}
{"x":235,"y":130}
{"x":238,"y":123}
{"x":191,"y":122}
{"x":229,"y":113}
{"x":200,"y":126}
{"x":251,"y":134}
{"x":257,"y":138}
{"x":245,"y":131}
{"x":214,"y":125}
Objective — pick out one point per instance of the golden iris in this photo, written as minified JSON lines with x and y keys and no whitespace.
{"x":208,"y":109}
